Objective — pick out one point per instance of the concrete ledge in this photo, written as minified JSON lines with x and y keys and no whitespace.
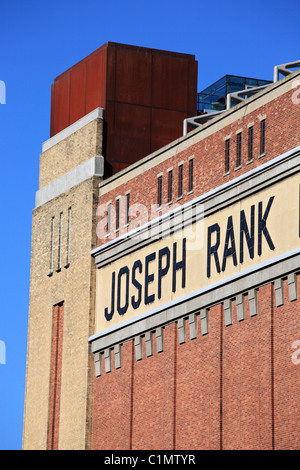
{"x":96,"y":114}
{"x":92,"y":167}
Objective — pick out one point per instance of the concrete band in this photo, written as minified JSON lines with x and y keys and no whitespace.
{"x":238,"y":287}
{"x":92,"y":167}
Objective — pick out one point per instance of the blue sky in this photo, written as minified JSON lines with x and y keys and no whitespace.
{"x":40,"y":40}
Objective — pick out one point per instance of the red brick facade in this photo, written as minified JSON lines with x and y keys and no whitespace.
{"x":282,"y":134}
{"x":237,"y":387}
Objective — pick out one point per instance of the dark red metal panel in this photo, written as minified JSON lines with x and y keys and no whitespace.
{"x":131,"y":132}
{"x":157,"y":80}
{"x":77,"y":93}
{"x":133,"y":76}
{"x":145,"y":93}
{"x":192,"y":88}
{"x":167,"y":125}
{"x":110,"y":73}
{"x":170,"y":82}
{"x":96,"y":81}
{"x":61,"y":103}
{"x":117,"y":166}
{"x":108,"y":151}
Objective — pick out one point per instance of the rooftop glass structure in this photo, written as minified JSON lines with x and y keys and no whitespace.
{"x":213,"y":98}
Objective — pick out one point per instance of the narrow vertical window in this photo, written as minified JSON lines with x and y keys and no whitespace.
{"x":60,"y":241}
{"x":127,"y":207}
{"x":108,"y":217}
{"x":180,"y":174}
{"x":68,"y":260}
{"x":191,"y":175}
{"x":55,"y":376}
{"x":170,"y":185}
{"x":227,"y":155}
{"x":239,"y":149}
{"x":159,"y":190}
{"x":52,"y":246}
{"x":262,"y":136}
{"x":250,"y":143}
{"x":117,"y":214}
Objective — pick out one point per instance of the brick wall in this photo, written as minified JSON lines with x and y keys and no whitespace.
{"x":282,"y":134}
{"x":57,"y":412}
{"x":236,"y":387}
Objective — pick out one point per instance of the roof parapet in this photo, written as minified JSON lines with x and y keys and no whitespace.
{"x":241,"y":95}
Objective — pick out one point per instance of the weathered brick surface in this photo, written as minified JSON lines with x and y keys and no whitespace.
{"x":235,"y":388}
{"x":198,"y":388}
{"x":157,"y":383}
{"x":247,"y":379}
{"x":286,"y":331}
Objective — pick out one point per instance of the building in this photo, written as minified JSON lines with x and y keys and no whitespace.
{"x":213,"y":98}
{"x":164,"y":297}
